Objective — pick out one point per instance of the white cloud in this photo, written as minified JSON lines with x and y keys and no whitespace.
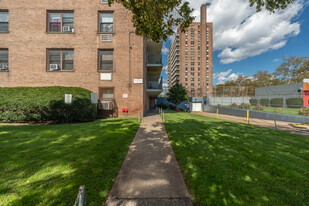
{"x":165,"y":50}
{"x":164,"y":70}
{"x":165,"y":88}
{"x":223,"y":77}
{"x":240,"y":32}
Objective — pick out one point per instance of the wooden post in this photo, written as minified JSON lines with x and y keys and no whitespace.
{"x":276,"y":125}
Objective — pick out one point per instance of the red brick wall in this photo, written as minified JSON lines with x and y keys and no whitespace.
{"x":27,"y":42}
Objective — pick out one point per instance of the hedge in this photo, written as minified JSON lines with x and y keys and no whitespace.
{"x":44,"y":104}
{"x":276,"y":102}
{"x":294,"y":102}
{"x":253,"y":102}
{"x":264,"y":102}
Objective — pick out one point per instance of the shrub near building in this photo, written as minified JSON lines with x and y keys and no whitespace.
{"x":42,"y":104}
{"x":276,"y":102}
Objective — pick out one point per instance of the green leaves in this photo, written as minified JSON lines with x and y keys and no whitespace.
{"x":155,"y":19}
{"x":177,"y":94}
{"x":270,"y":5}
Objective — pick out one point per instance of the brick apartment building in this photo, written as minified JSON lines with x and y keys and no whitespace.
{"x":190,"y":58}
{"x":78,"y":43}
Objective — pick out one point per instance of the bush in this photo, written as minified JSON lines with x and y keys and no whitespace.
{"x":234,"y":105}
{"x":171,"y":107}
{"x":244,"y":106}
{"x":162,"y":106}
{"x":304,"y":111}
{"x":294,"y":102}
{"x":258,"y":107}
{"x":276,"y":102}
{"x":253,"y":102}
{"x":42,"y":104}
{"x":264,"y":102}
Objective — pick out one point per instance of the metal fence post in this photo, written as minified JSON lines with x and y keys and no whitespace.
{"x":81,"y":196}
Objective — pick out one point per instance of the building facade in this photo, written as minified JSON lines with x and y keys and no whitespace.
{"x":190,"y":60}
{"x":78,"y":43}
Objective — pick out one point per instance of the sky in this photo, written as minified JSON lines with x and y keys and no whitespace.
{"x":246,"y":41}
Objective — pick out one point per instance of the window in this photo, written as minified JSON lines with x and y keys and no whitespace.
{"x":192,"y":37}
{"x":198,"y":79}
{"x":192,"y":68}
{"x":192,"y":32}
{"x":199,"y":63}
{"x":4,"y":60}
{"x":192,"y":73}
{"x":106,"y":58}
{"x":186,"y":58}
{"x":192,"y":27}
{"x":106,"y":22}
{"x":198,"y":74}
{"x":192,"y":42}
{"x":192,"y":84}
{"x":60,"y":60}
{"x":192,"y":79}
{"x":192,"y":58}
{"x":106,"y":93}
{"x":186,"y":79}
{"x":198,"y":32}
{"x":186,"y":68}
{"x":186,"y":42}
{"x":192,"y":53}
{"x":61,"y":22}
{"x":4,"y":21}
{"x":199,"y":69}
{"x":198,"y":27}
{"x":192,"y":47}
{"x":198,"y":58}
{"x":198,"y":48}
{"x":192,"y":63}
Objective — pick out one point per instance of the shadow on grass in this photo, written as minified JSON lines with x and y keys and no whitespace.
{"x":226,"y":163}
{"x":44,"y":165}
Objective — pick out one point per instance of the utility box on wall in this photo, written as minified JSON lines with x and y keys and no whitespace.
{"x":306,"y":92}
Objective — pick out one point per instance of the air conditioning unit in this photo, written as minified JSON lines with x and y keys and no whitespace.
{"x":4,"y":67}
{"x":67,"y":28}
{"x":106,"y":105}
{"x":106,"y":37}
{"x":53,"y":67}
{"x":104,"y":1}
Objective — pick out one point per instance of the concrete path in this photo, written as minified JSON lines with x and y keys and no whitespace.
{"x":150,"y":174}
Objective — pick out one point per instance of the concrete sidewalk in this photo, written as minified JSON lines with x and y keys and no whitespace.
{"x":150,"y":174}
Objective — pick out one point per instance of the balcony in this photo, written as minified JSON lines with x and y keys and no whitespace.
{"x":154,"y":88}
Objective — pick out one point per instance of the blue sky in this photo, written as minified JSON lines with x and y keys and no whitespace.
{"x":246,"y":43}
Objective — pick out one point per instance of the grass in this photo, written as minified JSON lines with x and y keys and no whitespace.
{"x":290,"y":111}
{"x":45,"y":165}
{"x":227,"y":163}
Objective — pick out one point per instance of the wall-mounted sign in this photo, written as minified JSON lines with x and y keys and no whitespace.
{"x":125,"y":96}
{"x":68,"y":98}
{"x":138,"y":81}
{"x":106,"y":76}
{"x":94,"y":98}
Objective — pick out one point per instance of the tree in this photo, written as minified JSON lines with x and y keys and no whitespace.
{"x":292,"y":70}
{"x":155,"y":19}
{"x":270,"y":5}
{"x":177,"y":94}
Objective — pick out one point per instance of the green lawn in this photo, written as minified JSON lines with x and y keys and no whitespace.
{"x":45,"y":165}
{"x":290,"y":111}
{"x":227,"y":163}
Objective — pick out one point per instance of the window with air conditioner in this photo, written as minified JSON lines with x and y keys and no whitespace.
{"x":104,"y":1}
{"x":4,"y":21}
{"x":106,"y":99}
{"x":60,"y":21}
{"x":106,"y":22}
{"x":4,"y":60}
{"x":60,"y":60}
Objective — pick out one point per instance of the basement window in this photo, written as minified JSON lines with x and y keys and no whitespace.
{"x":4,"y":60}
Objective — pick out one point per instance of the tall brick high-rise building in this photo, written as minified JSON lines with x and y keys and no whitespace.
{"x":190,"y":58}
{"x":78,"y":43}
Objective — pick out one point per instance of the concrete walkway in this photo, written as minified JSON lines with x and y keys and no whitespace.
{"x":150,"y":174}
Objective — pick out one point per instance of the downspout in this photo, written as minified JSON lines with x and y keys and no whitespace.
{"x":130,"y":69}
